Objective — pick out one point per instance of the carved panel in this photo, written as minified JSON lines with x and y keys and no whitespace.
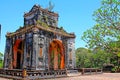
{"x":71,"y":53}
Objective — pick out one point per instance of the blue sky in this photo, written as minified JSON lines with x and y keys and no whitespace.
{"x":74,"y":15}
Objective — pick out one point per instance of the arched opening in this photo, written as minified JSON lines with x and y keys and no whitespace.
{"x":56,"y":55}
{"x":18,"y":54}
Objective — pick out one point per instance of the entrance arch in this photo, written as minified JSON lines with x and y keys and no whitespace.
{"x":18,"y":54}
{"x":56,"y":55}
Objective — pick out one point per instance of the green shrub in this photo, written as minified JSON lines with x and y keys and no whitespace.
{"x":116,"y":69}
{"x":1,"y":64}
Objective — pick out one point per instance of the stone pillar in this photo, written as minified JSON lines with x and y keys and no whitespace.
{"x":6,"y":54}
{"x":5,"y":57}
{"x":71,"y":53}
{"x":74,"y":55}
{"x":65,"y":44}
{"x":46,"y":54}
{"x":41,"y":51}
{"x":35,"y":47}
{"x":24,"y":54}
{"x":10,"y":55}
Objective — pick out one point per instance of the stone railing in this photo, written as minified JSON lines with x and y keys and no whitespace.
{"x":90,"y":71}
{"x":15,"y":74}
{"x":45,"y":74}
{"x":31,"y":74}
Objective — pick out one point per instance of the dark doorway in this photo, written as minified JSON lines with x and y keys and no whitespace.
{"x":18,"y":50}
{"x":18,"y":60}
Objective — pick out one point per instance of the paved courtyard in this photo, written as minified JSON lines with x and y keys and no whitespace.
{"x":104,"y":76}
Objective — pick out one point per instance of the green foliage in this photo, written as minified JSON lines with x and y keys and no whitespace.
{"x":116,"y":69}
{"x":104,"y":37}
{"x":83,"y":57}
{"x":42,"y":23}
{"x":1,"y":56}
{"x":1,"y":60}
{"x":108,"y":13}
{"x":94,"y":37}
{"x":101,"y":57}
{"x":107,"y":28}
{"x":96,"y":58}
{"x":105,"y":33}
{"x":52,"y":58}
{"x":118,"y":54}
{"x":1,"y":64}
{"x":59,"y":60}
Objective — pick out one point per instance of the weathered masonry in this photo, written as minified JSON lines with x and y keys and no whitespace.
{"x":40,"y":44}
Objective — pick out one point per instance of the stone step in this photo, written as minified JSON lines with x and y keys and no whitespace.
{"x":73,"y":74}
{"x":72,"y":71}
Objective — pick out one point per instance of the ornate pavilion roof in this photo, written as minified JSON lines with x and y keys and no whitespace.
{"x":37,"y":11}
{"x":56,"y":30}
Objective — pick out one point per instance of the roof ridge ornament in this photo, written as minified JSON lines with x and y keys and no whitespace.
{"x":51,"y":6}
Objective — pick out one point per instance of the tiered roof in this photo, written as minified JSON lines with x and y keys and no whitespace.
{"x":23,"y":30}
{"x":40,"y":26}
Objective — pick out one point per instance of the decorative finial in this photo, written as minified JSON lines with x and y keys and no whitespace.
{"x":51,"y":6}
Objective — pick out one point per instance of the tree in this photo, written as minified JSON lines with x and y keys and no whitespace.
{"x":105,"y":34}
{"x":108,"y":14}
{"x":83,"y":58}
{"x":107,"y":27}
{"x":100,"y":58}
{"x":96,"y":58}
